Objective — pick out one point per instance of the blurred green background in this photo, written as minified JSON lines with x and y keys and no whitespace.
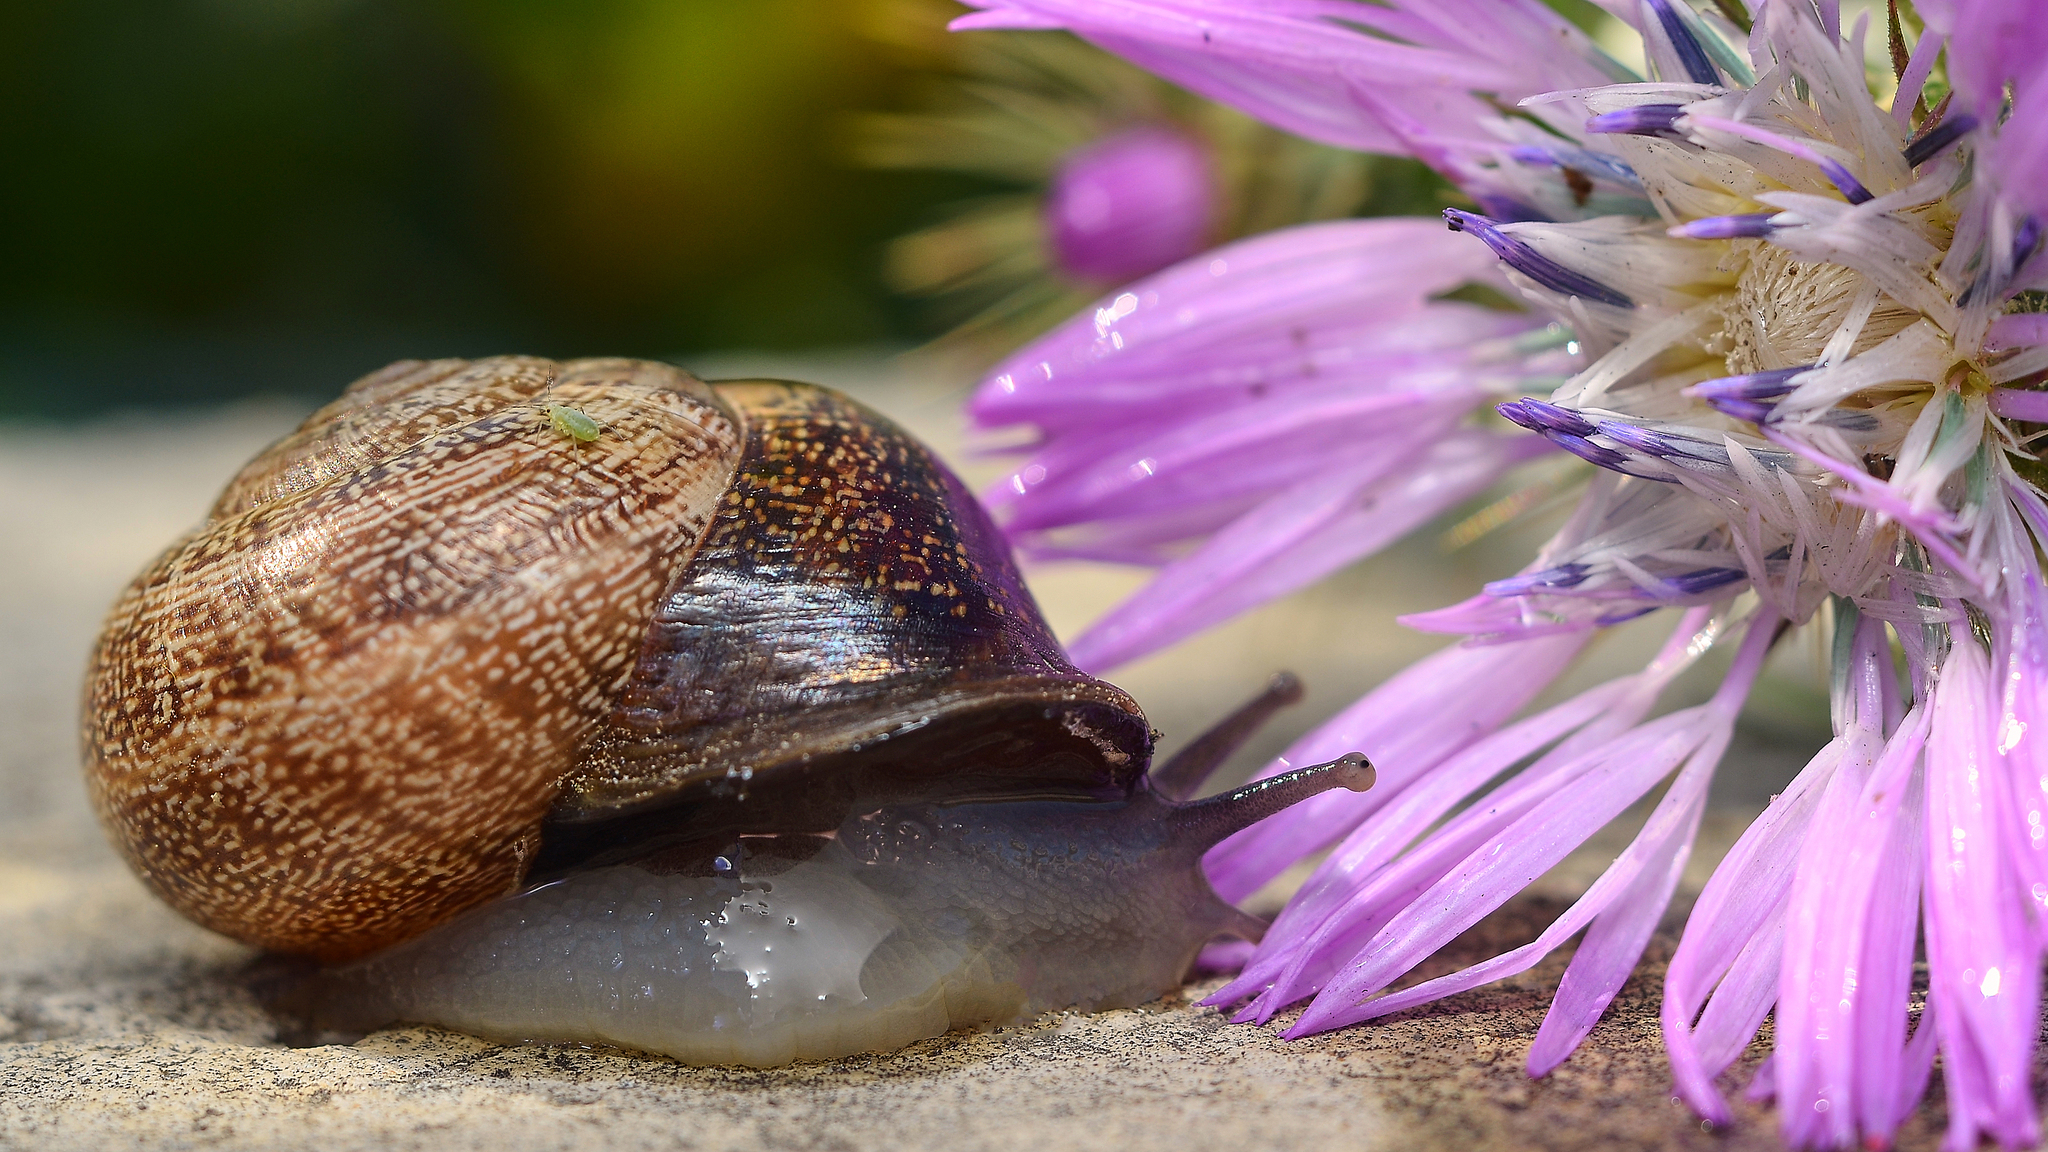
{"x":207,"y":199}
{"x":211,"y":198}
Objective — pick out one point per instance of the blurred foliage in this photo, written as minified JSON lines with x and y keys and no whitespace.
{"x":216,"y":197}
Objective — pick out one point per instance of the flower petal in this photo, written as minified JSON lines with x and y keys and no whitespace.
{"x":1296,"y":538}
{"x":1273,"y":294}
{"x":1407,"y":725}
{"x":1981,"y":950}
{"x":1738,"y":923}
{"x":1501,"y":867}
{"x":1301,"y":950}
{"x":1842,"y":993}
{"x":1293,"y":63}
{"x":1620,"y":772}
{"x":1245,"y":452}
{"x":1614,"y":942}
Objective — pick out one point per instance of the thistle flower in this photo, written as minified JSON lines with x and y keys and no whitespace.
{"x":1794,"y":333}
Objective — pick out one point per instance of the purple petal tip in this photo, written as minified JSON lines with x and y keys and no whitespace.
{"x":1518,"y":255}
{"x":1641,"y":120}
{"x":1540,"y":416}
{"x":1752,"y":226}
{"x":1937,"y":139}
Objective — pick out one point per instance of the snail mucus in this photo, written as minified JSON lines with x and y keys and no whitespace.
{"x":593,"y":703}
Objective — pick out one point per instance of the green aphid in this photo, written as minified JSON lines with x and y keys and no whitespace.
{"x":574,"y":423}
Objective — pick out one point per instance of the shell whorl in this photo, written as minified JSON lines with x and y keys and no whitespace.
{"x":340,"y":709}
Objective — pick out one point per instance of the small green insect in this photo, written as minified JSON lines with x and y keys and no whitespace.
{"x":574,"y":423}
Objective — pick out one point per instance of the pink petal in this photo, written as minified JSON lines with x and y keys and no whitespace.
{"x":1981,"y":949}
{"x":1824,"y":988}
{"x":1623,"y":770}
{"x":1298,"y":537}
{"x":1738,"y":1007}
{"x":1488,"y":618}
{"x":1994,"y":43}
{"x":1004,"y":19}
{"x":1919,"y":66}
{"x":1887,"y":1085}
{"x":1505,"y":865}
{"x":2020,"y":404}
{"x":1292,"y":64}
{"x":1841,"y":1059}
{"x":1998,"y":47}
{"x":1918,"y":1065}
{"x":1292,"y":282}
{"x":1407,"y":725}
{"x":1357,"y":914}
{"x":1361,"y":885}
{"x":1224,"y":956}
{"x":2017,"y":330}
{"x":1616,"y":939}
{"x":1299,"y":953}
{"x":1738,"y":922}
{"x":2022,"y":725}
{"x":1248,"y":451}
{"x":1763,"y":1087}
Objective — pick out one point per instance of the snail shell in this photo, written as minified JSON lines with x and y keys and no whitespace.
{"x":425,"y":626}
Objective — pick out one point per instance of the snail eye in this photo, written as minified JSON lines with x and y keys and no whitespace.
{"x":574,"y":423}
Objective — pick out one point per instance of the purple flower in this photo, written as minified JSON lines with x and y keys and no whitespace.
{"x":1789,"y":335}
{"x":1130,"y":204}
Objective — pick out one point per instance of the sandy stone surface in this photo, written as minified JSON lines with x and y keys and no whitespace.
{"x":122,"y":1026}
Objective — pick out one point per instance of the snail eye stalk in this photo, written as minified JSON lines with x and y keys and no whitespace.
{"x":1207,"y":823}
{"x":1184,"y":775}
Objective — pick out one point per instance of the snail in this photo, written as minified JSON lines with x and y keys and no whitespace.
{"x":590,"y":702}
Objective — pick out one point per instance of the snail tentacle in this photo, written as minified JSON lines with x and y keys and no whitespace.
{"x":1208,"y":822}
{"x":1186,"y":771}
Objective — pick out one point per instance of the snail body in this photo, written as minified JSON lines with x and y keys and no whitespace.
{"x":592,"y":702}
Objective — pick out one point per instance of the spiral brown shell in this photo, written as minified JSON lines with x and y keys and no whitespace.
{"x":428,"y":635}
{"x":342,"y":706}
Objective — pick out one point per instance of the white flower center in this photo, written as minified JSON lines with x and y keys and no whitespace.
{"x":1783,"y":310}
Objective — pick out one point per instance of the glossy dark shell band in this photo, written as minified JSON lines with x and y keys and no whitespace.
{"x":851,"y":628}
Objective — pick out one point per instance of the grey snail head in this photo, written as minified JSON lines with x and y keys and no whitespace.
{"x":510,"y":642}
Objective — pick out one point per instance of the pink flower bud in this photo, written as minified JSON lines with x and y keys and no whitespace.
{"x":1130,"y":204}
